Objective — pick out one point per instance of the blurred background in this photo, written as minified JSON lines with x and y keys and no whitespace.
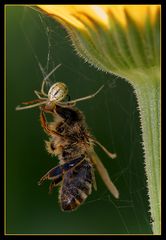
{"x":33,"y":39}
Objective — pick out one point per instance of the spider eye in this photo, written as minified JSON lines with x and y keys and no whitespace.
{"x":57,"y":92}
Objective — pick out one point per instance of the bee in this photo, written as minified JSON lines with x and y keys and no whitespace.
{"x":70,"y":140}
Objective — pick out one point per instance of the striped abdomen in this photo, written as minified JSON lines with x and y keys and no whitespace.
{"x":76,"y":186}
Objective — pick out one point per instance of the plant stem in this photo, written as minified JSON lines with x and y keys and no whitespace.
{"x":147,"y":89}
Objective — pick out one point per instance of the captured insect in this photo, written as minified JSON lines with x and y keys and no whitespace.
{"x":71,"y":141}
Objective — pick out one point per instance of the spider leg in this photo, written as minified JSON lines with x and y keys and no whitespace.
{"x":38,"y":94}
{"x":39,"y":103}
{"x":84,"y":98}
{"x":42,"y":88}
{"x":45,"y":125}
{"x":33,"y":101}
{"x":45,"y":79}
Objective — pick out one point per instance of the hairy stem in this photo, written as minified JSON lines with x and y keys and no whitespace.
{"x":147,"y":89}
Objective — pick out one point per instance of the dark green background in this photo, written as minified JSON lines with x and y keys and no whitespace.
{"x":112,"y":117}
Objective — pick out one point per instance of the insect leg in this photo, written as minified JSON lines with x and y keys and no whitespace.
{"x":45,"y":125}
{"x":104,"y":174}
{"x":111,"y":155}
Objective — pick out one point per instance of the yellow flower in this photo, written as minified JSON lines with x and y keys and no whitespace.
{"x":124,"y":40}
{"x":112,"y":37}
{"x":100,"y":13}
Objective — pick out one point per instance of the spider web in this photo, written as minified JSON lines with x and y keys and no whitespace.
{"x":130,"y":211}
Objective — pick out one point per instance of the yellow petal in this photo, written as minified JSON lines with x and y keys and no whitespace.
{"x":70,"y":13}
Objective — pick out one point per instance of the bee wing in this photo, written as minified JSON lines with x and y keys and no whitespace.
{"x":55,"y":174}
{"x":104,"y":174}
{"x":52,"y":174}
